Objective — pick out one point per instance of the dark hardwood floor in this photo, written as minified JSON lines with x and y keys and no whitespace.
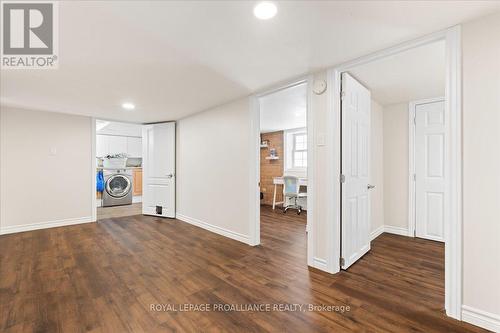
{"x":104,"y":277}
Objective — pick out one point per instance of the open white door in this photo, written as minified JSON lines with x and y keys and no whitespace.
{"x":158,"y":158}
{"x":355,"y":219}
{"x":430,"y":166}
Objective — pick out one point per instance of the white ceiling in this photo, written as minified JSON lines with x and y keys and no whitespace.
{"x":117,"y":128}
{"x":285,"y":109}
{"x":173,"y":58}
{"x":412,"y":75}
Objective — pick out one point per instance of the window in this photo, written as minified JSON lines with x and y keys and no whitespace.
{"x":299,"y":150}
{"x":295,"y":152}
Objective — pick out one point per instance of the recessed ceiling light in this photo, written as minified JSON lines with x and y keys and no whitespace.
{"x":128,"y":106}
{"x":265,"y":10}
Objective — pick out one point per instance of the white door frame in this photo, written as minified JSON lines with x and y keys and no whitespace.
{"x":453,"y":110}
{"x":93,"y":192}
{"x":411,"y":161}
{"x":254,"y":160}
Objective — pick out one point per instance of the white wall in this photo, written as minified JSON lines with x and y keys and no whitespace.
{"x":481,"y":165}
{"x":377,"y":166}
{"x":46,"y":169}
{"x":396,"y":165}
{"x":213,"y":170}
{"x":213,"y":148}
{"x":322,"y":200}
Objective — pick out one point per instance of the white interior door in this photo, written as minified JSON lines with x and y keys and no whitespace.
{"x":356,"y":109}
{"x":430,"y":170}
{"x":158,"y":158}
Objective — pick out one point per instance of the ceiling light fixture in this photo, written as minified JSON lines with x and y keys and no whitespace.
{"x":265,"y":10}
{"x":128,"y":106}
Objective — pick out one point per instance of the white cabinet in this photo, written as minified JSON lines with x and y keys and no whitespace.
{"x":102,"y":145}
{"x":134,"y":147}
{"x":113,"y":144}
{"x":117,"y":144}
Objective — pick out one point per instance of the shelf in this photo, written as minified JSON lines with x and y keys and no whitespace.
{"x":264,"y":146}
{"x":272,"y":158}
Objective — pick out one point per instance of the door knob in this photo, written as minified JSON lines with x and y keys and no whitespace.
{"x":370,"y":186}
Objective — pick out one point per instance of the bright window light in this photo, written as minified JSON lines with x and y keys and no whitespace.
{"x":299,"y":150}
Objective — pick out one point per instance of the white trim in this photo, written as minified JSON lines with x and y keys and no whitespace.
{"x":390,"y":230}
{"x":453,"y":109}
{"x":377,"y":232}
{"x":319,"y":263}
{"x":411,"y":170}
{"x":254,"y":180}
{"x":45,"y":225}
{"x":93,"y":183}
{"x":215,"y":229}
{"x":481,"y":318}
{"x":311,"y":165}
{"x":396,"y":230}
{"x":254,"y":160}
{"x":2,"y":174}
{"x":411,"y":162}
{"x":333,"y":127}
{"x":453,"y":229}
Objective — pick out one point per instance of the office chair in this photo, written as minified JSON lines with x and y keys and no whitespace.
{"x":291,"y":190}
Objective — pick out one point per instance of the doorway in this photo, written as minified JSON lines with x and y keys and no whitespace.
{"x":452,"y":165}
{"x":284,"y":156}
{"x":118,"y":161}
{"x":134,"y":168}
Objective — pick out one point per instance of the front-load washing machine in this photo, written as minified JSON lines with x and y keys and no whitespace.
{"x":117,"y":188}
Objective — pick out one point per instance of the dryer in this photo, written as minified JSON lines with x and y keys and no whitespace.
{"x":117,"y":188}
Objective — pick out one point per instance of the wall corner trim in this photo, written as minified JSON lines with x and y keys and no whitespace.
{"x":320,"y":264}
{"x":481,"y":318}
{"x":46,"y":225}
{"x":215,"y":229}
{"x":396,"y":230}
{"x":377,"y":232}
{"x":390,"y":230}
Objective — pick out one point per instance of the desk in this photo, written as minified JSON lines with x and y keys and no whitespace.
{"x":279,"y":181}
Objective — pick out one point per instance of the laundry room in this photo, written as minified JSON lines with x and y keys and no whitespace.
{"x":118,"y":169}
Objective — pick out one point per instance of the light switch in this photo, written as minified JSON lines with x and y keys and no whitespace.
{"x":53,"y":151}
{"x":320,"y":139}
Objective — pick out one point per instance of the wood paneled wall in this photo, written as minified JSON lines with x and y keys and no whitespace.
{"x":271,"y":168}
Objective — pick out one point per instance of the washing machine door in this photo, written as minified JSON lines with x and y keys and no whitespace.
{"x":118,"y":186}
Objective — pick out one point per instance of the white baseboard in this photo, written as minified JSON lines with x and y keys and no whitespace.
{"x":44,"y":225}
{"x":390,"y":230}
{"x":481,"y":318}
{"x":396,"y":230}
{"x":215,"y":229}
{"x":320,"y":264}
{"x":377,"y":232}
